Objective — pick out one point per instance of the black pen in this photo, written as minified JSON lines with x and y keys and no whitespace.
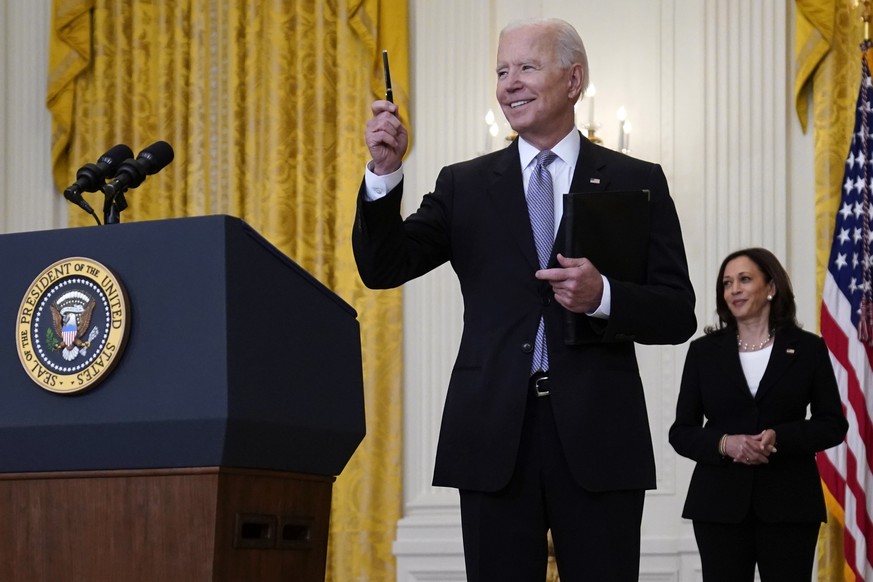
{"x":389,"y":94}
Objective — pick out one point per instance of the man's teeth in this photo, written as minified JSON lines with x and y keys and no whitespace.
{"x":518,"y":103}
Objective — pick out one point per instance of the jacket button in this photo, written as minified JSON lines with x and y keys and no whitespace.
{"x":547,"y":300}
{"x":527,"y":347}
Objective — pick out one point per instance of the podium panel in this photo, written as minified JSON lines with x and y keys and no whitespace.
{"x":209,"y":451}
{"x":203,"y":525}
{"x":236,"y":357}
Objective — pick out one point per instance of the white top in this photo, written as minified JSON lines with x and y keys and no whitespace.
{"x":754,"y":364}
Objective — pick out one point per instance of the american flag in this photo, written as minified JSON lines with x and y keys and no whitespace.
{"x":847,"y":326}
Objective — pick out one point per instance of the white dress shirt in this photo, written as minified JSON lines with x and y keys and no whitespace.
{"x":561,"y":170}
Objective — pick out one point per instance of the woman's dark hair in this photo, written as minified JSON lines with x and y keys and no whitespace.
{"x":783,"y":310}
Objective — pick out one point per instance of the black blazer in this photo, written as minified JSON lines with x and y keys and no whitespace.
{"x":798,"y":375}
{"x":477,"y":218}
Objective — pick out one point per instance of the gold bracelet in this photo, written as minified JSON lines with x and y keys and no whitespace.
{"x":721,"y":445}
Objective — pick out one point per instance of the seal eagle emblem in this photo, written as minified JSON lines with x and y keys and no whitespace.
{"x":71,"y":316}
{"x":72,"y":325}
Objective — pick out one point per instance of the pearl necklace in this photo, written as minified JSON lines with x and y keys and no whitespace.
{"x":744,"y":347}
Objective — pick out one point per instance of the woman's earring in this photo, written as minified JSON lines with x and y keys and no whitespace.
{"x":769,"y":297}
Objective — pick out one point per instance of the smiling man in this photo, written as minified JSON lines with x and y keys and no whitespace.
{"x":536,"y":434}
{"x":536,"y":80}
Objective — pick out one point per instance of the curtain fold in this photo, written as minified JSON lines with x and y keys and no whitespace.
{"x":265,"y":104}
{"x":827,"y":36}
{"x":69,"y":56}
{"x":826,"y":48}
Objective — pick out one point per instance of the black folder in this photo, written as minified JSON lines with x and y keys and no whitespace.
{"x":611,"y":229}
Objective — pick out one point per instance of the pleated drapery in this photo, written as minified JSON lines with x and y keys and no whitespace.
{"x":264,"y":103}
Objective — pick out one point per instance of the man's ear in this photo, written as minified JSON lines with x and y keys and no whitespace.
{"x":574,"y":83}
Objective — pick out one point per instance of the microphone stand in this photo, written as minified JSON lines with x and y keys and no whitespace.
{"x":77,"y":199}
{"x":113,"y":206}
{"x":96,"y":219}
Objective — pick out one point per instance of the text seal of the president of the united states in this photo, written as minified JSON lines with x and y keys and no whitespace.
{"x":72,"y":325}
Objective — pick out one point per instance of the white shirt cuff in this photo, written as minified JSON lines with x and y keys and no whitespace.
{"x":377,"y":187}
{"x":605,"y":307}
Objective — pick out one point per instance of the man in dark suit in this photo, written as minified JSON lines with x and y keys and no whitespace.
{"x":536,"y":434}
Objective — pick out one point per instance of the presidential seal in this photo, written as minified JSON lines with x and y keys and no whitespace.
{"x":72,"y":325}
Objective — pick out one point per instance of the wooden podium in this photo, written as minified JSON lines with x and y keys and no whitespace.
{"x":209,"y":452}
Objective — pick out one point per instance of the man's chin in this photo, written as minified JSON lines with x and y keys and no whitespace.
{"x":517,"y":125}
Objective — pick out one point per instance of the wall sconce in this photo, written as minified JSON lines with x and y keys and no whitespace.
{"x":626,"y":131}
{"x":591,"y":126}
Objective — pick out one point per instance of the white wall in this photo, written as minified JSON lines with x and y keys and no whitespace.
{"x":706,"y":86}
{"x":27,"y":198}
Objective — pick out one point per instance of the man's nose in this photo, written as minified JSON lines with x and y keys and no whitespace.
{"x":511,"y":81}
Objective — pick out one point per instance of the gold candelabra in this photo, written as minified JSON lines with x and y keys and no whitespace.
{"x":592,"y":135}
{"x":866,"y":15}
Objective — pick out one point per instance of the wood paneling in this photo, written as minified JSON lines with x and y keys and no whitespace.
{"x":204,"y":524}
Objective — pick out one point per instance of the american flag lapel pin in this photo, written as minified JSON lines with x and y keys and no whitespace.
{"x":595,"y":180}
{"x":789,"y":351}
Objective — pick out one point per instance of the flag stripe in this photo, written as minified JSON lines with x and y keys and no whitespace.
{"x":847,"y":328}
{"x":832,"y":481}
{"x":850,"y":489}
{"x":851,"y":356}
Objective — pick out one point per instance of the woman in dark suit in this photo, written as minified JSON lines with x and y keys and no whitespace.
{"x":755,"y":496}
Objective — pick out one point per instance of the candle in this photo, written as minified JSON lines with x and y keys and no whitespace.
{"x":589,"y":94}
{"x":622,"y":115}
{"x":491,"y":123}
{"x":626,"y":128}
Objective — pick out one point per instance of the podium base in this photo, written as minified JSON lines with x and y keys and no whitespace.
{"x":200,"y":524}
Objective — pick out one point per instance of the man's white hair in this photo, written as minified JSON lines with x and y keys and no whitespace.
{"x":568,"y":44}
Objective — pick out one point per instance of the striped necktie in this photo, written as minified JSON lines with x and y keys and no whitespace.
{"x":540,"y":207}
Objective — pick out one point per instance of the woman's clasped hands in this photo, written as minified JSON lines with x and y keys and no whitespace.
{"x":751,"y":449}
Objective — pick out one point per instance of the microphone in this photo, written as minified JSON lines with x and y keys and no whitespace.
{"x":91,"y":177}
{"x":131,"y":173}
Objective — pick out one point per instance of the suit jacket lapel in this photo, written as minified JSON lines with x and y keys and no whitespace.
{"x":781,"y":358}
{"x":729,"y":359}
{"x":507,"y":193}
{"x":506,"y":190}
{"x":587,"y":177}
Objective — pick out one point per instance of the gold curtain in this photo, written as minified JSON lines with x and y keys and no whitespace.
{"x":265,"y":104}
{"x":828,"y":70}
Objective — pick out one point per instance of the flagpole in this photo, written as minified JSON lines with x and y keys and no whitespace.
{"x":866,"y":14}
{"x":866,"y":7}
